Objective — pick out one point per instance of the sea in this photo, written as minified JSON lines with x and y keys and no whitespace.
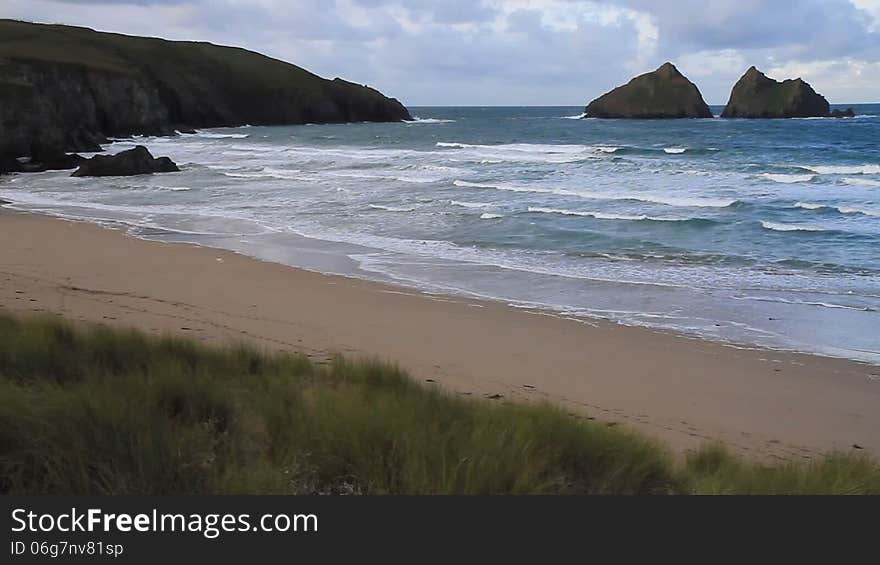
{"x":754,"y":233}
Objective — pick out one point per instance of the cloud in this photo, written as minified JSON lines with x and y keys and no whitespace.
{"x":516,"y":51}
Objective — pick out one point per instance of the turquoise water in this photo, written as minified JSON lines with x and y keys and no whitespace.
{"x":752,"y":232}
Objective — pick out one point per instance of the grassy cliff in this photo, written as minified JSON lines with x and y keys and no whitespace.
{"x":67,"y":88}
{"x":97,"y":411}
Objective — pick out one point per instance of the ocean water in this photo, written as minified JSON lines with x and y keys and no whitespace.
{"x":750,"y":232}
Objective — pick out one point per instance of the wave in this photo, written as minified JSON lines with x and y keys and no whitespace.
{"x":838,"y":209}
{"x":858,"y":211}
{"x":399,"y":178}
{"x":806,"y":303}
{"x":525,"y":152}
{"x":788,"y":179}
{"x":776,"y":226}
{"x":683,"y":202}
{"x":578,"y":117}
{"x":488,"y":216}
{"x":677,"y":201}
{"x":528,"y":152}
{"x":469,"y":204}
{"x":267,"y":172}
{"x":808,"y":206}
{"x":390,"y":208}
{"x":860,"y":182}
{"x":843,"y":169}
{"x":512,"y":188}
{"x":604,"y":216}
{"x":418,"y":120}
{"x":209,"y":135}
{"x":520,"y":147}
{"x":468,"y":184}
{"x":675,"y":150}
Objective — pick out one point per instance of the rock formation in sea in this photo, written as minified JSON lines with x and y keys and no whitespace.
{"x":758,"y":96}
{"x":662,"y":94}
{"x":848,"y":113}
{"x":137,"y":161}
{"x":66,"y":89}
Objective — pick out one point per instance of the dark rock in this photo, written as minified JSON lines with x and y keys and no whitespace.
{"x":662,"y":94}
{"x":64,"y":161}
{"x":68,"y":89}
{"x":137,"y":161}
{"x":756,"y":96}
{"x":848,"y":113}
{"x":59,"y":162}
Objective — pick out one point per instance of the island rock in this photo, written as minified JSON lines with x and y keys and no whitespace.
{"x":662,"y":94}
{"x":757,"y":96}
{"x":137,"y":161}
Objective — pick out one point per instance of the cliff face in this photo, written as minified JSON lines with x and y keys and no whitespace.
{"x":662,"y":94}
{"x":757,"y":96}
{"x":67,"y":89}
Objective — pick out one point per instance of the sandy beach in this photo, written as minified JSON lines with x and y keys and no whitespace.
{"x":684,"y":391}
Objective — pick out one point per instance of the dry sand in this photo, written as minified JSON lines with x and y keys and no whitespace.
{"x":685,"y":391}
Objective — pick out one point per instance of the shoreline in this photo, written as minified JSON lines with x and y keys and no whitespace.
{"x":681,"y":389}
{"x":334,"y":257}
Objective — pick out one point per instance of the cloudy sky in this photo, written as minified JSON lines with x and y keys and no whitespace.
{"x":517,"y":52}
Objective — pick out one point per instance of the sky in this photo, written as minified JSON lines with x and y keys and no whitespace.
{"x":517,"y":52}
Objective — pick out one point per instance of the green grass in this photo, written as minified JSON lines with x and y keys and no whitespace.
{"x":100,"y":411}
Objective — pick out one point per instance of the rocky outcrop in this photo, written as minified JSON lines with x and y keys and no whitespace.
{"x":66,"y":89}
{"x":137,"y":161}
{"x":848,"y":113}
{"x":662,"y":94}
{"x":757,"y":96}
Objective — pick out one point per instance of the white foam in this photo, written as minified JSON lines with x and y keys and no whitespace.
{"x":684,"y":202}
{"x":267,"y":172}
{"x":469,"y":204}
{"x":597,"y":215}
{"x":209,"y":135}
{"x":512,"y":188}
{"x":843,"y":169}
{"x":860,"y":182}
{"x":488,"y":216}
{"x":578,"y":117}
{"x":522,"y":152}
{"x":859,"y":211}
{"x":675,"y":150}
{"x":390,"y":208}
{"x":808,"y":206}
{"x":776,"y":226}
{"x":604,"y":216}
{"x":805,"y":303}
{"x":468,"y":184}
{"x":418,"y":120}
{"x":842,"y":209}
{"x":678,"y":201}
{"x":788,"y":179}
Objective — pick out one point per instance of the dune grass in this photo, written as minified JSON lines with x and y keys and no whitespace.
{"x":100,"y":411}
